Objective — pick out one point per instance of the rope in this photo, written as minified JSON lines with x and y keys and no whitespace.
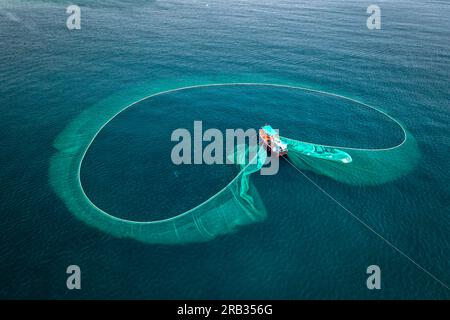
{"x":369,"y":227}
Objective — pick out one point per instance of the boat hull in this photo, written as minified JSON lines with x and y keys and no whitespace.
{"x":265,"y":140}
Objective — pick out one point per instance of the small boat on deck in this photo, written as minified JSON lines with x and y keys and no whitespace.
{"x":323,"y":152}
{"x":272,"y":140}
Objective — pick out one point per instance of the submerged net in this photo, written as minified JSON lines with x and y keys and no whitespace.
{"x":368,"y":167}
{"x":235,"y":205}
{"x":238,"y":204}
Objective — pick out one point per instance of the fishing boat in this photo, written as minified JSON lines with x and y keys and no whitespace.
{"x":279,"y":146}
{"x":271,"y":139}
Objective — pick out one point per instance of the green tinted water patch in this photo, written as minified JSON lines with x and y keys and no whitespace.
{"x":238,"y":204}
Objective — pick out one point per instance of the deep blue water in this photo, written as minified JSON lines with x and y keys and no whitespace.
{"x":307,"y":247}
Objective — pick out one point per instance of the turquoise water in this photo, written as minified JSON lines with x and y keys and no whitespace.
{"x":307,"y":247}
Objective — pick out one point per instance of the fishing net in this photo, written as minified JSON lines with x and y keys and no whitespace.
{"x":368,"y":167}
{"x":238,"y":204}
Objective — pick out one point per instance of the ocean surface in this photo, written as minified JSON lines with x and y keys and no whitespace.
{"x":308,"y":247}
